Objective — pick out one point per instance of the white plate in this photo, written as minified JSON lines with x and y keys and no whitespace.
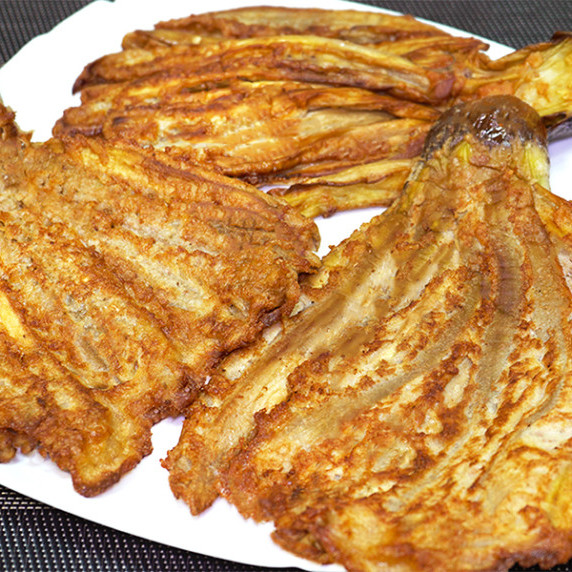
{"x":36,"y":83}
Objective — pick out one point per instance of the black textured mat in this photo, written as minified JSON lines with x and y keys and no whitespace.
{"x":35,"y":537}
{"x":515,"y":23}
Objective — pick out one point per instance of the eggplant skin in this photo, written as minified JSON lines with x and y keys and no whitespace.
{"x":496,"y":120}
{"x":417,"y":413}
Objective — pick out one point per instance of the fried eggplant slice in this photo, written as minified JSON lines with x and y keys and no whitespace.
{"x":122,"y":282}
{"x":373,"y":184}
{"x":538,"y":74}
{"x":261,"y":132}
{"x":301,"y":58}
{"x":396,"y":34}
{"x":417,"y":413}
{"x":252,"y":93}
{"x":360,"y":27}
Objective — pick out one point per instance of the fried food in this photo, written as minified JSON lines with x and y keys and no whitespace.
{"x":301,"y":58}
{"x":417,"y":413}
{"x":261,"y":132}
{"x":372,"y":184}
{"x":260,"y":21}
{"x":283,"y":103}
{"x":290,"y":97}
{"x":123,"y":281}
{"x":537,"y":74}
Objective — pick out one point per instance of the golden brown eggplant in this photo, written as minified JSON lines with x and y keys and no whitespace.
{"x":362,"y":27}
{"x":262,"y":132}
{"x":416,"y":413}
{"x":123,"y":281}
{"x":538,"y":74}
{"x":289,"y":96}
{"x":301,"y":58}
{"x":375,"y":184}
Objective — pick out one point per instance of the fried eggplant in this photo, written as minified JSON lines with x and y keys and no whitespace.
{"x":258,"y":93}
{"x":355,"y":26}
{"x":537,"y":74}
{"x":123,"y":281}
{"x":416,"y":413}
{"x":301,"y":58}
{"x":374,"y":184}
{"x":261,"y":132}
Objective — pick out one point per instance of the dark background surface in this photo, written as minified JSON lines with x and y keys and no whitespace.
{"x":34,"y":536}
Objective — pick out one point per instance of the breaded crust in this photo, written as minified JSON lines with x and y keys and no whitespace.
{"x":123,"y":281}
{"x":322,"y":103}
{"x":417,"y":414}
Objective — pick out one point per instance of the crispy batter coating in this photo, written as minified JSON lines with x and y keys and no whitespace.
{"x":377,"y":183}
{"x":417,"y":414}
{"x":123,"y":281}
{"x":284,"y":96}
{"x":263,"y":132}
{"x":350,"y":25}
{"x":301,"y":58}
